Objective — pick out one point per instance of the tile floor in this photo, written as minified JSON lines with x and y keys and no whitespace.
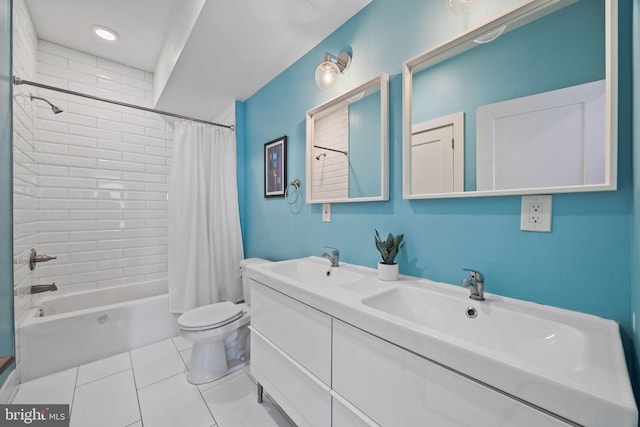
{"x":148,"y":387}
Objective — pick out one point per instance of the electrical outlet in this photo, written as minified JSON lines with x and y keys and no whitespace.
{"x":536,"y":213}
{"x":326,"y":212}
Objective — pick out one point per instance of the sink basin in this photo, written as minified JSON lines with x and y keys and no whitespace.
{"x":313,"y":272}
{"x":498,"y":327}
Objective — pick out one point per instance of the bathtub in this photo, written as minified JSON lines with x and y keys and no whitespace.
{"x":66,"y":330}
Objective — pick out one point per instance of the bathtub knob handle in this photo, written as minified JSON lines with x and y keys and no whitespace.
{"x":35,"y":258}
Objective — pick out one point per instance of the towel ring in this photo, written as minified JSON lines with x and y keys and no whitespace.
{"x":296,"y":184}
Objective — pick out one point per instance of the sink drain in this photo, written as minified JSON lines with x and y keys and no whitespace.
{"x":471,"y":312}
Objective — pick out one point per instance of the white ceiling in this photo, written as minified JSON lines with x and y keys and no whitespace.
{"x":209,"y":52}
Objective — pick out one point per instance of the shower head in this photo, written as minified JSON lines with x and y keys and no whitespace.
{"x":54,"y":108}
{"x":320,"y":155}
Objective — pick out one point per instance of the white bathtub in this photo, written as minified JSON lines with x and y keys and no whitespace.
{"x":67,"y":330}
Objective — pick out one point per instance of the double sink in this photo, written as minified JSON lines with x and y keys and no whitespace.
{"x":549,"y":357}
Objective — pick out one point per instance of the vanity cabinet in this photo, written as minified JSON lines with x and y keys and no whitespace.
{"x":291,"y":355}
{"x":395,"y":387}
{"x":325,"y":372}
{"x":305,"y":399}
{"x":344,"y":414}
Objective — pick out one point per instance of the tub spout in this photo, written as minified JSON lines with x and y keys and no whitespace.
{"x":36,"y":289}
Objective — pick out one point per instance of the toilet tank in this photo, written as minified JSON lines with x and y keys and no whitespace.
{"x":245,"y":280}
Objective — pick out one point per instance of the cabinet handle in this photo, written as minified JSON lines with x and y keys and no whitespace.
{"x":291,"y":360}
{"x":357,"y":412}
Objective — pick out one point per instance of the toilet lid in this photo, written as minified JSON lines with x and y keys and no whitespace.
{"x":210,"y":316}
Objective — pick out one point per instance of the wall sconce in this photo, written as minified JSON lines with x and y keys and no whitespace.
{"x":490,"y":36}
{"x":331,"y":68}
{"x":464,"y":7}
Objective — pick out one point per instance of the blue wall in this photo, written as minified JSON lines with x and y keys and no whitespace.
{"x":635,"y":263}
{"x":6,"y":176}
{"x":584,"y":264}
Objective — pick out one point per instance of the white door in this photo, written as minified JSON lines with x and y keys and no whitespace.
{"x":432,"y":161}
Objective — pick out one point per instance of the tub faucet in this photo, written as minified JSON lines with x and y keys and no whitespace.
{"x":475,"y":283}
{"x":34,"y":258}
{"x":334,"y":256}
{"x":36,"y":289}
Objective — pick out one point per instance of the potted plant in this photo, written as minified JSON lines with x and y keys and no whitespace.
{"x":388,"y":268}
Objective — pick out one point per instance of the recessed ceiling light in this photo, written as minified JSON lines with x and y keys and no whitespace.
{"x":105,"y":33}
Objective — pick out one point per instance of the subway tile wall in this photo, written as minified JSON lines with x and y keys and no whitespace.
{"x":103,"y":173}
{"x":25,"y":173}
{"x":331,"y":169}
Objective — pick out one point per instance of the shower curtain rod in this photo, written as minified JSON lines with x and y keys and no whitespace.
{"x":19,"y":81}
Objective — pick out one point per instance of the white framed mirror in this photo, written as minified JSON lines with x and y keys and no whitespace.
{"x":537,"y":90}
{"x":347,"y":158}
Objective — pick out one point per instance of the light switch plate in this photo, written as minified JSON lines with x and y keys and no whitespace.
{"x":326,"y":212}
{"x":536,"y":213}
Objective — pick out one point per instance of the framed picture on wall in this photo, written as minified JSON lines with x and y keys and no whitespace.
{"x":275,"y":167}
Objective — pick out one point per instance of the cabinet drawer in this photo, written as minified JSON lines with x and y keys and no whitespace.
{"x":305,"y":399}
{"x":395,"y":387}
{"x":346,"y":415}
{"x":302,"y":332}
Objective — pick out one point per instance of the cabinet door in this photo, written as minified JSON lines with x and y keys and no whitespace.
{"x":301,"y":331}
{"x":305,"y":399}
{"x":397,"y":388}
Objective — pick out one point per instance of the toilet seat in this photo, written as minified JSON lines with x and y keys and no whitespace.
{"x":210,"y":316}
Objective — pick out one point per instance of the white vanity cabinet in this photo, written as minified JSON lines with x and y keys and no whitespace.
{"x":325,"y":372}
{"x":291,"y":355}
{"x":344,"y":414}
{"x":340,"y":348}
{"x":395,"y":387}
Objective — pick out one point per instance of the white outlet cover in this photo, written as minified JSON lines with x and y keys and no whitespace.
{"x":326,"y":212}
{"x":542,"y":221}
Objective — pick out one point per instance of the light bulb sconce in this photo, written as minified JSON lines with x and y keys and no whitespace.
{"x":490,"y":36}
{"x":464,"y":7}
{"x":331,"y":68}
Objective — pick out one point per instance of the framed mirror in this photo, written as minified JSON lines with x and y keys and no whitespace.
{"x":348,"y":146}
{"x":524,"y":104}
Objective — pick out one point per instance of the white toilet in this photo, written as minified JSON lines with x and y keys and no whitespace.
{"x":219,"y":333}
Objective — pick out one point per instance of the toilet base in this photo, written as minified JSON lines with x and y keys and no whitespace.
{"x":202,"y":380}
{"x":218,"y":352}
{"x":208,"y":362}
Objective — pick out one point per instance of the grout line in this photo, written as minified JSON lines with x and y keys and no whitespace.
{"x":215,"y":422}
{"x":75,"y":387}
{"x":106,"y":376}
{"x":160,"y":380}
{"x":135,"y":386}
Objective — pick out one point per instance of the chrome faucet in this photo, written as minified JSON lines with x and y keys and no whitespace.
{"x":36,"y":289}
{"x":334,"y":256}
{"x":475,"y":283}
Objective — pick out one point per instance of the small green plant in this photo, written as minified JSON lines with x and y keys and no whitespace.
{"x":389,"y":248}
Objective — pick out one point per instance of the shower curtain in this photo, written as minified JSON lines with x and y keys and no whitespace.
{"x":205,"y":242}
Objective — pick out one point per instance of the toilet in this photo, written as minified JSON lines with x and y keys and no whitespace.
{"x":219,"y":333}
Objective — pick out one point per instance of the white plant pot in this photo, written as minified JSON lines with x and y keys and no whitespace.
{"x":388,"y":272}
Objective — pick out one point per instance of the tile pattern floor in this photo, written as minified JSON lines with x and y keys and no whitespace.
{"x":148,"y":387}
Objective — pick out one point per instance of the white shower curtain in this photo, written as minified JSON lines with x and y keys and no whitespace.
{"x":205,"y":242}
